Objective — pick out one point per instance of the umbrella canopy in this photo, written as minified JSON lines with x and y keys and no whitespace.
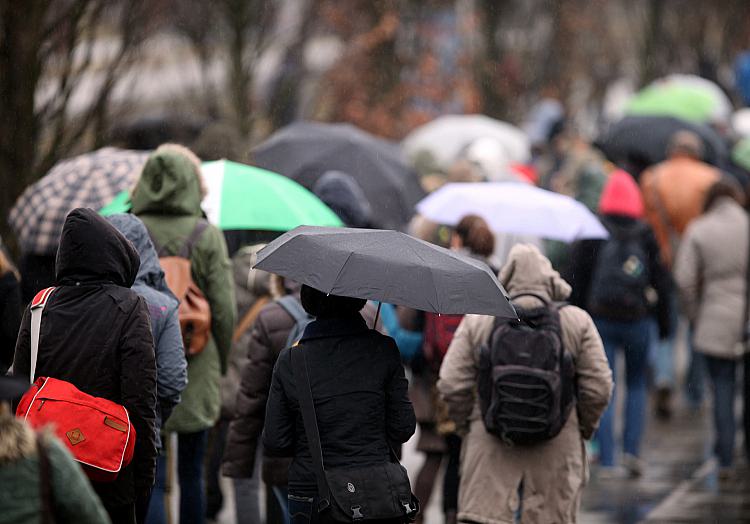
{"x":387,"y":266}
{"x":245,"y":197}
{"x":304,"y":151}
{"x":510,"y":207}
{"x":445,"y":137}
{"x":89,"y":180}
{"x":636,"y":142}
{"x":689,"y":97}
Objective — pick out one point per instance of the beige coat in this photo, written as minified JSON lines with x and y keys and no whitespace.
{"x":710,"y":271}
{"x":553,"y":472}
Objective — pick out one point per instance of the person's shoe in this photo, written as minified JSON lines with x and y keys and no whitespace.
{"x":633,"y":465}
{"x":663,"y":403}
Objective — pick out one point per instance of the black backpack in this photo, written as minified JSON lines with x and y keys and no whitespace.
{"x":621,"y":279}
{"x":526,"y":378}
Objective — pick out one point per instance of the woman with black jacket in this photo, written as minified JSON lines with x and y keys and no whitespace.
{"x":359,"y":392}
{"x":622,"y":283}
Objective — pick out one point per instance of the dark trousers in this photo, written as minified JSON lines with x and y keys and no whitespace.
{"x":191,"y":449}
{"x":216,"y":442}
{"x":722,"y":373}
{"x":451,"y":479}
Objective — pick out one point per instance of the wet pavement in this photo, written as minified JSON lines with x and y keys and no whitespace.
{"x":679,"y":484}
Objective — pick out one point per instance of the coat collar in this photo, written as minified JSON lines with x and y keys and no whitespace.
{"x":335,"y":327}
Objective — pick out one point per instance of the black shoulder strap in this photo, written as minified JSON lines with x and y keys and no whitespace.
{"x":309,"y":420}
{"x":187,"y":248}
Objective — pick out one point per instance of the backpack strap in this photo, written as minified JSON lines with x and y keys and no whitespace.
{"x":37,"y":306}
{"x":292,"y":306}
{"x":544,"y":301}
{"x":187,"y":248}
{"x":250,"y":317}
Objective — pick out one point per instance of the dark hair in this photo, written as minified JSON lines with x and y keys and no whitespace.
{"x":320,"y":305}
{"x":724,"y":187}
{"x":475,"y":235}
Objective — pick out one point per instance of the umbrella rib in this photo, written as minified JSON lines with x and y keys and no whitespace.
{"x":333,"y":284}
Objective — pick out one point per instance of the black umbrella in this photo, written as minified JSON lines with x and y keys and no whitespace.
{"x":304,"y":151}
{"x":636,"y":142}
{"x":387,"y":266}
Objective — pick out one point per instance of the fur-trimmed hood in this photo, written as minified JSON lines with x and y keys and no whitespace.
{"x":17,"y":439}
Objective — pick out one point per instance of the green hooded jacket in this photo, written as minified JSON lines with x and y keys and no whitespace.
{"x":167,"y":198}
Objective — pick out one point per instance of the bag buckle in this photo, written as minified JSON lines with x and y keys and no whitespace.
{"x":323,"y":505}
{"x":356,"y":513}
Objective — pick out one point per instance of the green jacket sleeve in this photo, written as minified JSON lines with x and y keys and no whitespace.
{"x":218,"y":287}
{"x":74,"y":498}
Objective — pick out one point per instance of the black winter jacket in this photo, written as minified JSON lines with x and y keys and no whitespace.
{"x":360,"y":395}
{"x":267,"y":340}
{"x":583,"y":259}
{"x":96,"y":335}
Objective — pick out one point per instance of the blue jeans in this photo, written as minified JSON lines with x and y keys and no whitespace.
{"x":634,"y":339}
{"x":696,"y":376}
{"x":723,"y":376}
{"x":191,"y":448}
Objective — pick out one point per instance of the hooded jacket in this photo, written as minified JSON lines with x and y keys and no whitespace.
{"x":171,"y":366}
{"x":553,"y":472}
{"x":96,"y":335}
{"x":167,"y":198}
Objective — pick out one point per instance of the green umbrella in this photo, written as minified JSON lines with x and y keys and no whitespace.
{"x":247,"y":197}
{"x":682,"y":96}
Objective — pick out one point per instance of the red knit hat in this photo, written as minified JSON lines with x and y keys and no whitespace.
{"x":621,"y":196}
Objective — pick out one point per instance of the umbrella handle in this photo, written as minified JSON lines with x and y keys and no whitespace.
{"x":377,"y":315}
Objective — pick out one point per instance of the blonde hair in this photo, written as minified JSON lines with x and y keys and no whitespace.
{"x":192,"y":157}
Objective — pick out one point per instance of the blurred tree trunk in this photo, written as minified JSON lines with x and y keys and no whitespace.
{"x":488,"y":64}
{"x":51,"y":45}
{"x":653,"y":41}
{"x":21,"y":36}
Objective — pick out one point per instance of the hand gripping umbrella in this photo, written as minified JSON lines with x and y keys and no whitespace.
{"x":386,"y":266}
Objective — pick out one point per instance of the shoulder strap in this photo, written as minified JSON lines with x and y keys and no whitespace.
{"x":249,"y":318}
{"x":37,"y":306}
{"x":187,"y":248}
{"x":310,"y":422}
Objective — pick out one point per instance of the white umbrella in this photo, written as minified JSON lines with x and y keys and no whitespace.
{"x":446,"y":136}
{"x":510,"y":207}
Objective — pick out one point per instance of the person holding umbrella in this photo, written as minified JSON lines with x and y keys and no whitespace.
{"x":339,"y":398}
{"x":360,"y":392}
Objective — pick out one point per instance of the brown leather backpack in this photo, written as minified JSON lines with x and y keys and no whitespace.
{"x":194,"y":312}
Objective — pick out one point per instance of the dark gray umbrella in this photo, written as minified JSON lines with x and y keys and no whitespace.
{"x":304,"y":151}
{"x":387,"y":266}
{"x":636,"y":142}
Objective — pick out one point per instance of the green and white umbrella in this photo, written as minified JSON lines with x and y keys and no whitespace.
{"x":246,"y":197}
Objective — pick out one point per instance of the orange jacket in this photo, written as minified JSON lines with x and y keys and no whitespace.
{"x":673,"y":194}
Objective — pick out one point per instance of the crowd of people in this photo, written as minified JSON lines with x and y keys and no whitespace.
{"x":223,"y":400}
